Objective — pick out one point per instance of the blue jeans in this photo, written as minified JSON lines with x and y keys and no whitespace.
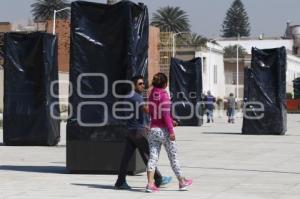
{"x":230,"y":114}
{"x":210,"y":115}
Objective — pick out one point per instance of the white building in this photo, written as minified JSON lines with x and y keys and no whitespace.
{"x":293,"y":62}
{"x":293,"y":71}
{"x":213,"y":69}
{"x":262,"y":43}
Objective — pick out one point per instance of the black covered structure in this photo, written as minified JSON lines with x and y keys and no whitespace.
{"x":29,"y":68}
{"x":185,"y":90}
{"x":110,"y":41}
{"x":296,"y":84}
{"x":264,"y":93}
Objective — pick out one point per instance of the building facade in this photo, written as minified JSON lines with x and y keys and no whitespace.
{"x":293,"y":32}
{"x":212,"y":62}
{"x":230,"y":64}
{"x":212,"y":69}
{"x":232,"y":75}
{"x":261,"y":43}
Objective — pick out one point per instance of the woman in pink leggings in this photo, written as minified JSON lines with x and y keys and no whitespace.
{"x":162,"y":133}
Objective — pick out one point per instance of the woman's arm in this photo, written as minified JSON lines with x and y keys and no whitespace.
{"x":166,"y":112}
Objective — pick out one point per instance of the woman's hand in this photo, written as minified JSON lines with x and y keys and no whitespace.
{"x":175,"y":123}
{"x":146,"y":109}
{"x":172,"y":137}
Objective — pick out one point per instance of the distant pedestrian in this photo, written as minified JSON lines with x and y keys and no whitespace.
{"x":231,"y":103}
{"x":209,"y":101}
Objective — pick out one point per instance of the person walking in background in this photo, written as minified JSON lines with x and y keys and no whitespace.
{"x":209,"y":101}
{"x":231,"y":101}
{"x":138,"y":127}
{"x":162,"y":133}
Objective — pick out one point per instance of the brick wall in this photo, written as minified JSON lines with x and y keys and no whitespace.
{"x":5,"y":27}
{"x":153,"y":53}
{"x":63,"y":33}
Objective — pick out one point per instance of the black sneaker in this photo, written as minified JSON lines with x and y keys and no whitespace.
{"x":124,"y":186}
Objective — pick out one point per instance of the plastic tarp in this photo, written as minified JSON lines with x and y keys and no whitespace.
{"x":30,"y":67}
{"x":108,"y":43}
{"x":185,"y":90}
{"x":1,"y":47}
{"x":264,"y":93}
{"x":296,"y":84}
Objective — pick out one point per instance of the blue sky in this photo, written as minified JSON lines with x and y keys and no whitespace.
{"x":206,"y":16}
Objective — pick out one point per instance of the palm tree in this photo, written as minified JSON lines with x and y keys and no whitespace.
{"x":43,"y":9}
{"x":192,"y":39}
{"x":196,"y":40}
{"x":171,"y":19}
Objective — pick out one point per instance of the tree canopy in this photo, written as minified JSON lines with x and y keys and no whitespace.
{"x":236,"y":21}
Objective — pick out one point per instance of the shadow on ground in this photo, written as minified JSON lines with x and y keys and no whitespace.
{"x":109,"y":187}
{"x":222,"y":133}
{"x":35,"y":169}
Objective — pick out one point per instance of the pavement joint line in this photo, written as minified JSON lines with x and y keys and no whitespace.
{"x":238,"y":170}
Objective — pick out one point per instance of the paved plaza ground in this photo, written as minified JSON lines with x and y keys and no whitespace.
{"x":223,"y":163}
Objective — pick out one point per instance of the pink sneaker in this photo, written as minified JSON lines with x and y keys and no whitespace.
{"x":185,"y":184}
{"x":151,"y":188}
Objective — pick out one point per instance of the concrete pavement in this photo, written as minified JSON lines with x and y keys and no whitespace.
{"x":223,"y":163}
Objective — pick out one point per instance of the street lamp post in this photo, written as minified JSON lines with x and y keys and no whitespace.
{"x":174,"y":41}
{"x":54,"y":18}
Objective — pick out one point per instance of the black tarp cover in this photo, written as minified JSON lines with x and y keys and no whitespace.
{"x":186,"y":89}
{"x":296,"y":85}
{"x":265,"y":83}
{"x":110,"y":40}
{"x":30,"y":67}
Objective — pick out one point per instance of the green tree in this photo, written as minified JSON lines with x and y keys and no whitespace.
{"x":43,"y":9}
{"x":230,"y":52}
{"x":236,"y":21}
{"x":171,"y":19}
{"x":192,"y":39}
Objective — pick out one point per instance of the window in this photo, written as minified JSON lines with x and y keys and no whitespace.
{"x":215,"y":74}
